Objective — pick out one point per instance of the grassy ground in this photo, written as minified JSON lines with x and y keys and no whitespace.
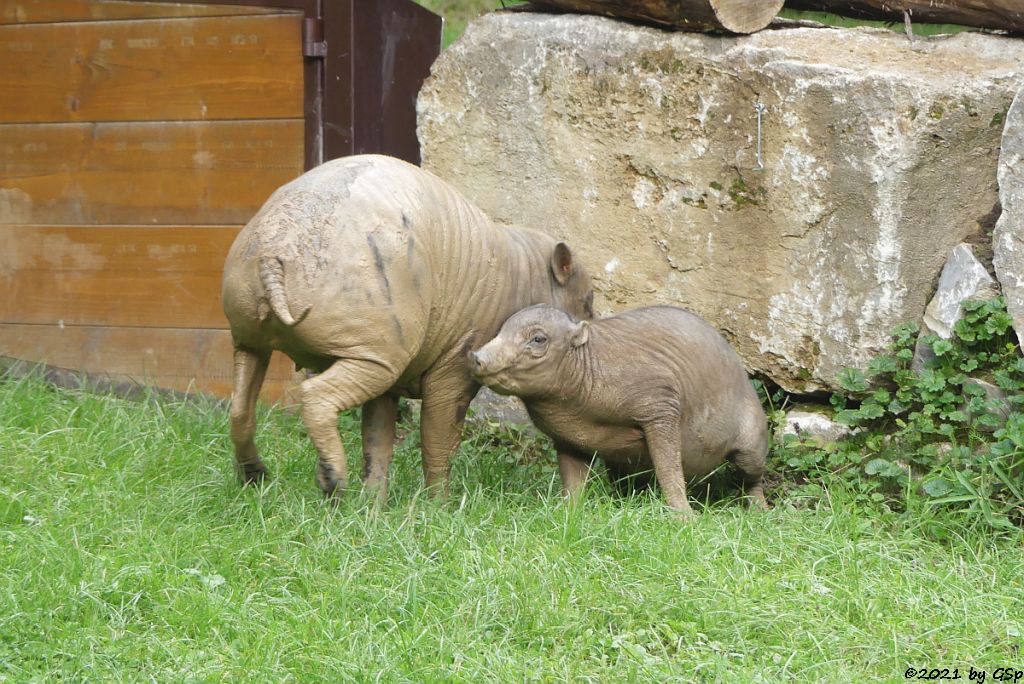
{"x":128,"y":552}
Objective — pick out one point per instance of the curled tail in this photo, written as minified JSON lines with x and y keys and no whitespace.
{"x":272,"y":276}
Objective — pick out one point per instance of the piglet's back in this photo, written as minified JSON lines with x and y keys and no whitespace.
{"x":645,"y":345}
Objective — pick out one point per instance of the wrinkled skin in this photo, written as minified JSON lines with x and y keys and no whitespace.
{"x":654,"y":388}
{"x":379,"y":277}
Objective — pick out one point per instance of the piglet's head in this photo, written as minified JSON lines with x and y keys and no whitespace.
{"x":528,"y":356}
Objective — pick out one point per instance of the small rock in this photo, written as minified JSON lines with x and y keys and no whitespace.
{"x":817,"y":426}
{"x":503,"y":409}
{"x":923,"y":354}
{"x":996,"y":398}
{"x":963,"y":278}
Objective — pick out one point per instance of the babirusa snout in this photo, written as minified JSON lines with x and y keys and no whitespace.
{"x":486,"y":360}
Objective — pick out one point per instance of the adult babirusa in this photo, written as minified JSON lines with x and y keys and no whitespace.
{"x":379,"y":277}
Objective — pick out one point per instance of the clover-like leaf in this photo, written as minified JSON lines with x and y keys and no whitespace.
{"x":937,"y":487}
{"x":852,"y":380}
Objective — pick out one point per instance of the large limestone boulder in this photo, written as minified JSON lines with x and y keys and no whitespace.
{"x":1008,"y":239}
{"x":640,"y":146}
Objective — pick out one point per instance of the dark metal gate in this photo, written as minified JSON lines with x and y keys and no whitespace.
{"x":365,"y":63}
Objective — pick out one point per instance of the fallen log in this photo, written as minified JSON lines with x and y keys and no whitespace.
{"x":1006,"y":15}
{"x":735,"y":16}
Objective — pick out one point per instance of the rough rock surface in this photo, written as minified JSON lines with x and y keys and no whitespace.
{"x":1008,"y":238}
{"x":640,"y":146}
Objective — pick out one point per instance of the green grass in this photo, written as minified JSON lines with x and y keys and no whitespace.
{"x":919,"y":29}
{"x":128,"y":552}
{"x":458,"y":13}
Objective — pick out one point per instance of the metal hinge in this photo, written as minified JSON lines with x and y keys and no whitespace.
{"x":313,"y":43}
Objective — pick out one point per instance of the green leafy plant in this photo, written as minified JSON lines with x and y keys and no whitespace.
{"x":938,"y":435}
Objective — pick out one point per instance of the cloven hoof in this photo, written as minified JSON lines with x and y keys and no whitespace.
{"x":252,"y":473}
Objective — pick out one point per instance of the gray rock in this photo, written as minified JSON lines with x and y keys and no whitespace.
{"x":996,"y":399}
{"x":923,"y":354}
{"x":963,"y":278}
{"x":503,"y":409}
{"x":814,"y":425}
{"x":1008,"y":238}
{"x":640,"y":147}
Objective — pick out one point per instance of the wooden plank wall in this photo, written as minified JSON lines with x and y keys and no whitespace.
{"x":135,"y":140}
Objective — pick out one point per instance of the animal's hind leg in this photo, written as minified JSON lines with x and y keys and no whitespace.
{"x":750,"y":463}
{"x":574,"y":471}
{"x":346,"y":384}
{"x":627,"y":482}
{"x":664,"y":440}
{"x":249,"y":370}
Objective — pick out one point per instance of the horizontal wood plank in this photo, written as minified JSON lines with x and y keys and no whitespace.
{"x":48,"y":11}
{"x":141,"y":173}
{"x":114,"y":275}
{"x":198,"y":69}
{"x":176,"y":359}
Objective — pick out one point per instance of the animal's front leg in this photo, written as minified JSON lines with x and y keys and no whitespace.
{"x":664,"y":442}
{"x":379,"y":416}
{"x":446,"y":397}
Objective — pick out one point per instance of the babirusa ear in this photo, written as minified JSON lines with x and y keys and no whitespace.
{"x":561,"y":263}
{"x":580,"y":334}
